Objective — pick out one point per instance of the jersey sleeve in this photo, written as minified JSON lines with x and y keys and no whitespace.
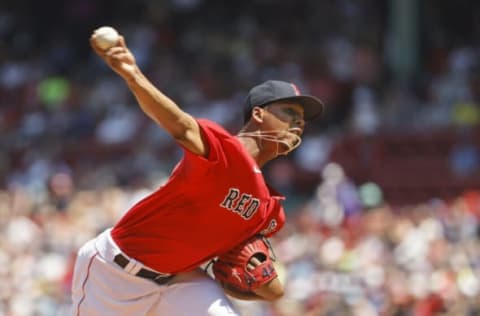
{"x":276,"y":220}
{"x":216,"y":137}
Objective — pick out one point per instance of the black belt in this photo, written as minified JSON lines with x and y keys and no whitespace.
{"x":158,"y":278}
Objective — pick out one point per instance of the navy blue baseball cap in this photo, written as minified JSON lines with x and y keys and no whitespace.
{"x":275,"y":91}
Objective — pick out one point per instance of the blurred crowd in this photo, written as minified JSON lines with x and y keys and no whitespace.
{"x":345,"y":251}
{"x":348,"y":252}
{"x":76,"y":151}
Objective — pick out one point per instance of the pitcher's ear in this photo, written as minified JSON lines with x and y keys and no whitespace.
{"x":257,"y":113}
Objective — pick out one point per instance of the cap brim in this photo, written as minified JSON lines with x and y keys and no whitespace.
{"x":313,"y":108}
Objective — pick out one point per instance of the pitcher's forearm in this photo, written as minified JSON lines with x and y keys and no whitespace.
{"x":246,"y":296}
{"x":271,"y":291}
{"x":158,"y":106}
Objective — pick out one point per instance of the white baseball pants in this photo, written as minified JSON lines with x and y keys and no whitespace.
{"x":102,"y":288}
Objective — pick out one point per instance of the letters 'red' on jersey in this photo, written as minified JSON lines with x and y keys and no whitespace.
{"x":220,"y":200}
{"x":241,"y":203}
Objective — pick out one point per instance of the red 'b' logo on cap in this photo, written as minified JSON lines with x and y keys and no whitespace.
{"x":295,"y":88}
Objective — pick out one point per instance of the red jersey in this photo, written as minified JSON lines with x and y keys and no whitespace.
{"x":208,"y":206}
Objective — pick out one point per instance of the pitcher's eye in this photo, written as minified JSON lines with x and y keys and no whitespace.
{"x":292,"y":112}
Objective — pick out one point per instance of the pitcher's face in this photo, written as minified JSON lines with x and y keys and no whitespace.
{"x":286,"y":119}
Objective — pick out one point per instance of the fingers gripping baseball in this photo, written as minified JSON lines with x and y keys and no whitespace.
{"x":118,"y":57}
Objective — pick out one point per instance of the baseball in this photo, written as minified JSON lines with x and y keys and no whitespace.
{"x":105,"y":37}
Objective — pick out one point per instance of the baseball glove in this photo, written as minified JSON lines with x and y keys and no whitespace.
{"x":247,"y":266}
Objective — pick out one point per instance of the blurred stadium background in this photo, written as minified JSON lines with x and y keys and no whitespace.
{"x":383,"y":197}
